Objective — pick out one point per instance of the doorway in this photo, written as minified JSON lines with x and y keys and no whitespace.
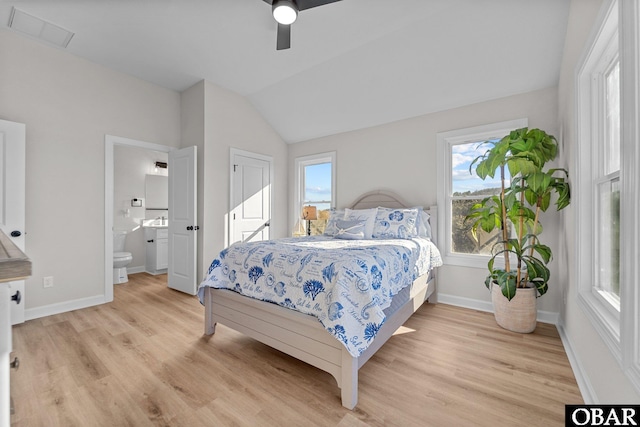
{"x":111,"y":142}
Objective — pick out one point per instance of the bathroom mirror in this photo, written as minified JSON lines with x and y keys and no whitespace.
{"x":157,"y":192}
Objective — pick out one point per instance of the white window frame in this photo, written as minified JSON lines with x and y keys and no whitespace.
{"x":620,"y":333}
{"x":630,"y":190}
{"x":299,"y":164}
{"x":591,"y":124}
{"x":445,"y":142}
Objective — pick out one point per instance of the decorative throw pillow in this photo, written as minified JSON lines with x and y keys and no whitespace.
{"x":336,"y":214}
{"x":350,"y":230}
{"x":396,"y":223}
{"x":367,"y":215}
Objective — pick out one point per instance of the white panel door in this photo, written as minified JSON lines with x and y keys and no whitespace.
{"x":250,"y":196}
{"x":12,"y":198}
{"x":183,"y":228}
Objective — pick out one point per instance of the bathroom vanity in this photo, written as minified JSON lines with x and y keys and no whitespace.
{"x":14,"y":266}
{"x":157,"y":246}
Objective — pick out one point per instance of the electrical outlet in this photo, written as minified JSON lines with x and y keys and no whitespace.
{"x":47,"y":282}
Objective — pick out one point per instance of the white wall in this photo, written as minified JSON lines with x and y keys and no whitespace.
{"x":131,"y":165}
{"x":228,"y":120}
{"x":68,"y":105}
{"x":603,"y":378}
{"x":401,"y":156}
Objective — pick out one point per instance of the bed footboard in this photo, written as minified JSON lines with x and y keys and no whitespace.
{"x":209,"y":323}
{"x":302,"y":336}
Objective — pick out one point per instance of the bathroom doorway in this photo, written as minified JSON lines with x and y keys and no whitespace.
{"x":128,"y":162}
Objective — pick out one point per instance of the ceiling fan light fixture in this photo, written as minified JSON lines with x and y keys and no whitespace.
{"x":284,"y":11}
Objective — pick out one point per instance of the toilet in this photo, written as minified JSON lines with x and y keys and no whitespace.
{"x":120,"y":258}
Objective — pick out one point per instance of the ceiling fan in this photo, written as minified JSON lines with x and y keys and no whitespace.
{"x":285,"y":13}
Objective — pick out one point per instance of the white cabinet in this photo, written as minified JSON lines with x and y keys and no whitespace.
{"x":14,"y":265}
{"x":5,"y":352}
{"x":17,"y":310}
{"x":157,"y":245}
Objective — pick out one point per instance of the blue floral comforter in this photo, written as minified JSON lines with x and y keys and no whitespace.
{"x":346,"y":284}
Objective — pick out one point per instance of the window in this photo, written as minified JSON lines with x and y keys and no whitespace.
{"x":315,"y":186}
{"x":607,"y":187}
{"x":599,"y":182}
{"x":607,"y":225}
{"x":459,"y":189}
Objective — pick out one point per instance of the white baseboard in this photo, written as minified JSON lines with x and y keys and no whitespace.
{"x":543,"y":316}
{"x":586,"y":389}
{"x":63,"y":307}
{"x":134,"y":270}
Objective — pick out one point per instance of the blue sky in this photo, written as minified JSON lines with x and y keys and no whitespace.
{"x":461,"y":157}
{"x":318,"y":183}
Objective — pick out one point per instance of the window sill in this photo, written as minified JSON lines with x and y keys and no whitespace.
{"x":475,"y":261}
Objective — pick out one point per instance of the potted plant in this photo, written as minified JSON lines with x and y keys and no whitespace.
{"x":516,"y":213}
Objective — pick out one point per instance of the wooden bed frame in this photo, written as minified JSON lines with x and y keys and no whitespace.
{"x":301,"y":335}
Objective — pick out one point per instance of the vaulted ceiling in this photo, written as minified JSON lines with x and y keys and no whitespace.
{"x":352,"y":64}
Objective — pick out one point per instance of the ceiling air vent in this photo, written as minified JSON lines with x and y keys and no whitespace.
{"x":38,"y":28}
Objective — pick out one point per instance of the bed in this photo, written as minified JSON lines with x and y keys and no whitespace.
{"x":311,"y":333}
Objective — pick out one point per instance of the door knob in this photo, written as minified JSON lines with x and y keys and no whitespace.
{"x":15,"y":364}
{"x":17,"y":297}
{"x":16,"y":233}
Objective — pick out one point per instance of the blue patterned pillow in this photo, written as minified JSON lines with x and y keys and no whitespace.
{"x":350,"y":230}
{"x":335,"y":215}
{"x":396,"y":223}
{"x":367,"y":215}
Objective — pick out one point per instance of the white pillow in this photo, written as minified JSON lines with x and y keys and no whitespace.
{"x":396,"y":223}
{"x":424,"y":224}
{"x":366,"y":215}
{"x":335,"y":215}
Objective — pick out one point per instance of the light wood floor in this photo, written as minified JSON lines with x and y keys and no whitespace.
{"x":143,"y":360}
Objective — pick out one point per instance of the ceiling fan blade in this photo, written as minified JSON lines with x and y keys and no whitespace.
{"x":308,"y":4}
{"x":284,"y":37}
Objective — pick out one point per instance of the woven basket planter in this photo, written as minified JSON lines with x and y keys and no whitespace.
{"x":519,"y":314}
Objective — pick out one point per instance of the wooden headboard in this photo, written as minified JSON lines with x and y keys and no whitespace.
{"x":376,"y":198}
{"x":389,"y":199}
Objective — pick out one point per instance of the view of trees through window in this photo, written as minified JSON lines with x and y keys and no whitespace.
{"x":467,"y":190}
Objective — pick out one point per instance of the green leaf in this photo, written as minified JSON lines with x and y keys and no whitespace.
{"x":530,"y":197}
{"x":507,"y":282}
{"x":542,"y":287}
{"x":564,"y":195}
{"x":539,"y":182}
{"x":483,"y":170}
{"x":545,"y":201}
{"x":531,"y":269}
{"x":509,"y":199}
{"x":541,"y":270}
{"x":487,"y":281}
{"x":514,"y":245}
{"x":544,"y":251}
